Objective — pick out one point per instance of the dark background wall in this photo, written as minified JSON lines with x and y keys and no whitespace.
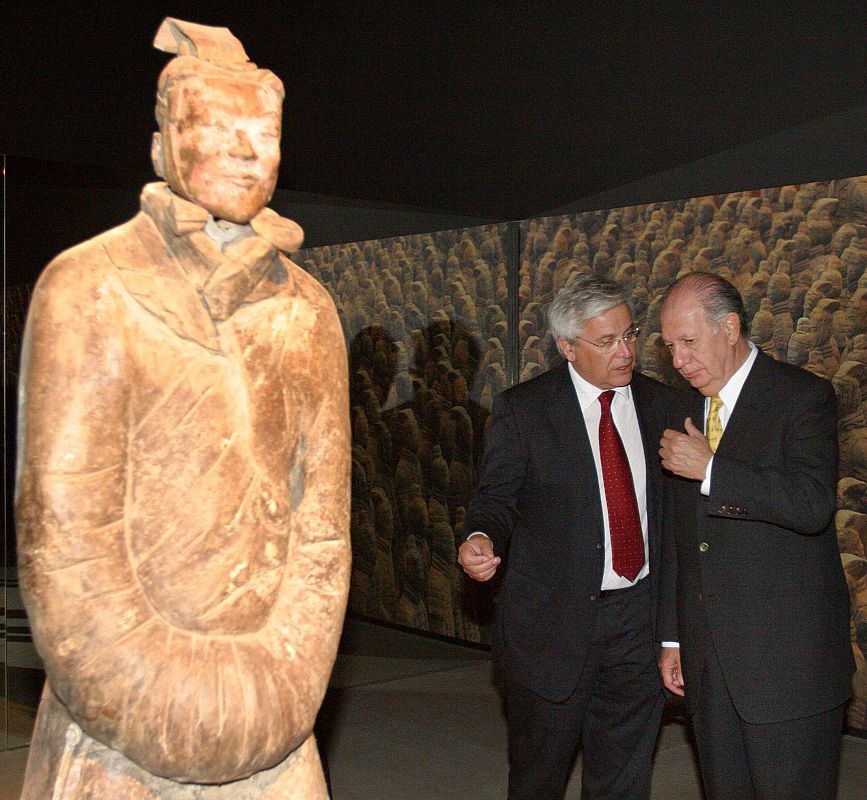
{"x":501,"y":110}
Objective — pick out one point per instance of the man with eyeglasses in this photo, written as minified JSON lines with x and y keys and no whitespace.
{"x":570,"y":486}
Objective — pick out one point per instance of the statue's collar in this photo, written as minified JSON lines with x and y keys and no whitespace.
{"x":181,"y":217}
{"x":225,"y":276}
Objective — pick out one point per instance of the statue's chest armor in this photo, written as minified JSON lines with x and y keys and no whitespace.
{"x":212,"y":441}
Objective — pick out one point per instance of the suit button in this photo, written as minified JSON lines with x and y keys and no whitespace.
{"x":704,"y":547}
{"x":598,"y":545}
{"x":593,"y":596}
{"x":700,"y":598}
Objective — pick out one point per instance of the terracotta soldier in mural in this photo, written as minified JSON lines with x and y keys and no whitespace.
{"x":778,"y":291}
{"x":183,"y":499}
{"x":801,"y":342}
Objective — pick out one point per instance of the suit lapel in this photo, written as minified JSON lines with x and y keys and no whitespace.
{"x":646,"y":423}
{"x":754,"y":395}
{"x":650,"y":434}
{"x":571,"y":442}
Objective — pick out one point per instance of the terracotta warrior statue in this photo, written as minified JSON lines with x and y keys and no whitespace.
{"x":183,"y":493}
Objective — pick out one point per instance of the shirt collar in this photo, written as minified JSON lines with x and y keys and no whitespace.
{"x":588,"y":393}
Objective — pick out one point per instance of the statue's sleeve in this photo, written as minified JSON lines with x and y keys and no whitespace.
{"x":316,"y":585}
{"x":72,"y":441}
{"x":183,"y":705}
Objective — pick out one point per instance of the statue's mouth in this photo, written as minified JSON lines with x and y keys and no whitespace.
{"x":244,"y":181}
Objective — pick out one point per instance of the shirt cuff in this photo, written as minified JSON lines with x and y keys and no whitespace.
{"x":670,"y":644}
{"x":705,"y":484}
{"x":478,"y":533}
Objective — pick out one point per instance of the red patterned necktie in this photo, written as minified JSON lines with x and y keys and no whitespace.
{"x":627,"y":543}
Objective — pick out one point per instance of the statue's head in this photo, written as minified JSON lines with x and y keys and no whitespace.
{"x":219,"y":119}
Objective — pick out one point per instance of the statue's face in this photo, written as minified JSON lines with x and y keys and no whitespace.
{"x":221,"y":144}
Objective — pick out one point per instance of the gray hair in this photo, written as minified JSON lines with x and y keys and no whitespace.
{"x":580,"y":301}
{"x":715,"y":295}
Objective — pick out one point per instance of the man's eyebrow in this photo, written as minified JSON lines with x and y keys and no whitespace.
{"x":633,"y":326}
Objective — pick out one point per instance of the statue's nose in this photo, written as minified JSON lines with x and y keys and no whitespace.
{"x":242,"y":147}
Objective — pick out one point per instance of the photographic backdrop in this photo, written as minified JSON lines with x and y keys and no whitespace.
{"x":438,"y":324}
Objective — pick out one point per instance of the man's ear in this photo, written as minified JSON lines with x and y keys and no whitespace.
{"x":732,"y":326}
{"x":157,"y":155}
{"x":567,"y":349}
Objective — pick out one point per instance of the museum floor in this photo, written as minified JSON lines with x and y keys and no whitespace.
{"x":416,"y":719}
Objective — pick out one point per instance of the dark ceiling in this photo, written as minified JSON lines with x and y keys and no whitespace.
{"x":500,"y":110}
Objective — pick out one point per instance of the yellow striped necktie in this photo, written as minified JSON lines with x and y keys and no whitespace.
{"x":714,"y":426}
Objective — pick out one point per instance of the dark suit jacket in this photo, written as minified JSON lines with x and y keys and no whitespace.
{"x":758,"y":558}
{"x":538,"y":496}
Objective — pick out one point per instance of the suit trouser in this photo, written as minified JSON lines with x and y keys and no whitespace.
{"x":615,"y":710}
{"x":795,"y":759}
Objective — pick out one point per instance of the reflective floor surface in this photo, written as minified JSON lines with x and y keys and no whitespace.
{"x":412,"y":718}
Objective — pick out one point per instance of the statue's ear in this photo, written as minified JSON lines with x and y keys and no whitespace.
{"x":157,"y":155}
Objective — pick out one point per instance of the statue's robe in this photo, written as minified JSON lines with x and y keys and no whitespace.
{"x":183,"y":509}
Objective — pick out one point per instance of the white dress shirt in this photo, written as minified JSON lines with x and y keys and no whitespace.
{"x":626,"y":421}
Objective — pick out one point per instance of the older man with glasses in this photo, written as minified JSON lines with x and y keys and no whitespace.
{"x":571,"y":487}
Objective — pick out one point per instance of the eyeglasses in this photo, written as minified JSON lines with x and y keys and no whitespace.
{"x":609,"y":345}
